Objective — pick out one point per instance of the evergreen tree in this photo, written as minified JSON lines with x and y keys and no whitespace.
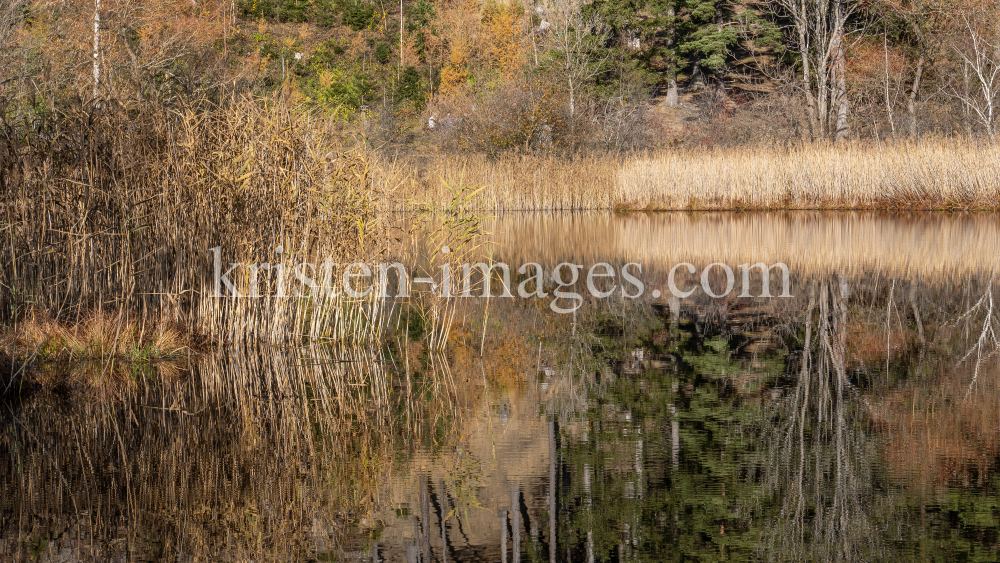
{"x":673,"y":36}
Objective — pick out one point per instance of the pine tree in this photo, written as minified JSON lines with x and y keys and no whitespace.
{"x":673,"y":36}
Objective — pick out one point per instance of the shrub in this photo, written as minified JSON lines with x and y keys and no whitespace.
{"x":409,"y":87}
{"x":325,"y":13}
{"x":383,"y":52}
{"x":508,"y":118}
{"x":280,"y":10}
{"x":358,"y":15}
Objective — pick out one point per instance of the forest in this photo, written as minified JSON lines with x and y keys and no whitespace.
{"x":565,"y":76}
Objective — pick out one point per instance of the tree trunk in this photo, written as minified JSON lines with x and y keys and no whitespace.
{"x":721,"y":96}
{"x":966,"y":90}
{"x":402,"y":15}
{"x":918,"y":73}
{"x":672,"y":97}
{"x":697,"y":78}
{"x":811,"y":109}
{"x":572,"y":100}
{"x":840,"y":69}
{"x":911,"y":102}
{"x":97,"y":45}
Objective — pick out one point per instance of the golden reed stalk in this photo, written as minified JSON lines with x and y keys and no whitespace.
{"x":932,"y":174}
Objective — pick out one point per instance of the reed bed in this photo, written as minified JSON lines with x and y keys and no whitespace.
{"x":934,"y":174}
{"x":512,"y":183}
{"x":116,"y":207}
{"x":931,"y":174}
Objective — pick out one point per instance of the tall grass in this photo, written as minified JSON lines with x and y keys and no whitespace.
{"x":511,"y":182}
{"x":116,"y":206}
{"x":929,"y":174}
{"x":935,"y":174}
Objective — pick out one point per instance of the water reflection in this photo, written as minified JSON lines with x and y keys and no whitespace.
{"x":856,"y":421}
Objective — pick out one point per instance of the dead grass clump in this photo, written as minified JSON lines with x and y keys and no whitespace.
{"x":98,"y":335}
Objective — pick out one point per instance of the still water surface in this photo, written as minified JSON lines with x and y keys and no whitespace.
{"x":858,"y":420}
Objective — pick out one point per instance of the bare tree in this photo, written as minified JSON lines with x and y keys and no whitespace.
{"x":97,"y":46}
{"x":981,"y":61}
{"x":926,"y":22}
{"x":820,"y":28}
{"x":575,"y":44}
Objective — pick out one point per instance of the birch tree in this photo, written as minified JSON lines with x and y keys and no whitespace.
{"x":576,"y":45}
{"x":97,"y":45}
{"x":819,"y":38}
{"x":980,"y":58}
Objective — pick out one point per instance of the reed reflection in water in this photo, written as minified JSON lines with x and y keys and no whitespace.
{"x":857,"y":421}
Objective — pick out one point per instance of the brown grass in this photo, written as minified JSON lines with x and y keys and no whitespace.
{"x":98,"y":335}
{"x":513,"y":182}
{"x":938,"y":174}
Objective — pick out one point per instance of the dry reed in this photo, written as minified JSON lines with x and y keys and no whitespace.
{"x":930,"y":174}
{"x":511,"y":182}
{"x":116,"y":208}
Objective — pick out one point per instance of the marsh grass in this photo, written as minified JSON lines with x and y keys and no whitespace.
{"x":931,"y":174}
{"x":100,"y":336}
{"x":114,"y":209}
{"x":511,"y":182}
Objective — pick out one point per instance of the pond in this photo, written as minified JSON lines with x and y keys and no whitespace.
{"x":853,"y":415}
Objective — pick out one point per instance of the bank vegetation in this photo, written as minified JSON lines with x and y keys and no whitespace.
{"x":933,"y":174}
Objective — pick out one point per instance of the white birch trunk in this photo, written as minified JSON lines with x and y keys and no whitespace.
{"x":840,"y":69}
{"x":97,"y":46}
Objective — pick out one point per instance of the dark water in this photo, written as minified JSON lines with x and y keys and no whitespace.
{"x":856,"y":420}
